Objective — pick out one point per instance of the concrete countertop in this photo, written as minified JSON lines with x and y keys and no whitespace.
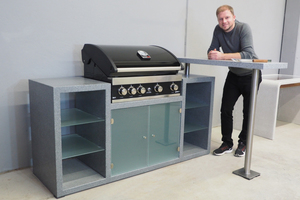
{"x":229,"y":63}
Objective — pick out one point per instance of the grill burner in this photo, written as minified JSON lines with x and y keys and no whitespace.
{"x":135,"y":72}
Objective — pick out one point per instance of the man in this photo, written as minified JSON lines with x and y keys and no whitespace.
{"x":235,"y":40}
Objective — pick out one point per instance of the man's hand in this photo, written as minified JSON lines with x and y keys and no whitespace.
{"x":215,"y":55}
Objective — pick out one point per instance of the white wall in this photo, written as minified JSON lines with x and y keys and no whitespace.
{"x":290,"y":42}
{"x":265,"y":19}
{"x":40,"y":39}
{"x":296,"y":66}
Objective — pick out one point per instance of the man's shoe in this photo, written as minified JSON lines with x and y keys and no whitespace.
{"x":240,"y":151}
{"x":224,"y":148}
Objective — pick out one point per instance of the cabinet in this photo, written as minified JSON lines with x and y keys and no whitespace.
{"x":151,"y":134}
{"x":68,"y":127}
{"x":81,"y":140}
{"x":198,"y":114}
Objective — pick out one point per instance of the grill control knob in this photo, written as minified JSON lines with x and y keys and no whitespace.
{"x":141,"y":90}
{"x":131,"y":90}
{"x":174,"y":87}
{"x":158,"y":88}
{"x":122,"y":91}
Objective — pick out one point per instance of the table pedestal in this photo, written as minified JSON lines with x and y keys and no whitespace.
{"x":246,"y":172}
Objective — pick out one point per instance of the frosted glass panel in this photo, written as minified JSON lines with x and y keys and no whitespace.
{"x":129,"y":139}
{"x":164,"y":132}
{"x":144,"y":136}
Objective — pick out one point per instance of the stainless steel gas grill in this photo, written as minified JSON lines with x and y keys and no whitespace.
{"x":135,"y":72}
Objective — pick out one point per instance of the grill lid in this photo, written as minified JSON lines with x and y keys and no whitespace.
{"x":115,"y":60}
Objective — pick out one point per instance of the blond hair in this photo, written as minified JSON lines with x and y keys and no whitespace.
{"x":223,"y":8}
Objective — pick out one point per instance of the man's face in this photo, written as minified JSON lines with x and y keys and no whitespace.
{"x":226,"y":20}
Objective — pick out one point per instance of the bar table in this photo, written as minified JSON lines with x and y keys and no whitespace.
{"x":244,"y":172}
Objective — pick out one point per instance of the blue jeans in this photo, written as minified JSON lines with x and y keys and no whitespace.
{"x":234,"y":87}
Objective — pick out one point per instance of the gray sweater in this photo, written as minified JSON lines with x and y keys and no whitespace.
{"x":238,"y":40}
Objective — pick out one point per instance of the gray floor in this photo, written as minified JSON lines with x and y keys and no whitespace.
{"x":208,"y":177}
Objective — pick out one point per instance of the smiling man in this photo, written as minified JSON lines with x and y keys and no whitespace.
{"x":233,"y":39}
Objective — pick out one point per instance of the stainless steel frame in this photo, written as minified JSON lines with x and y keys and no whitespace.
{"x":145,"y":79}
{"x":144,"y":98}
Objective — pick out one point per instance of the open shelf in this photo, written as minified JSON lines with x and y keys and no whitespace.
{"x":191,"y":104}
{"x":76,"y":173}
{"x":74,"y":116}
{"x":192,"y":127}
{"x":74,"y":145}
{"x":189,"y":149}
{"x":197,"y":118}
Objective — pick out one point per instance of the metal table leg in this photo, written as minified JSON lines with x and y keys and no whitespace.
{"x":246,"y":172}
{"x":187,"y":69}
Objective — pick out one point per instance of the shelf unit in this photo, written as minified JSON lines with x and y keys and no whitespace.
{"x":82,"y":135}
{"x":198,"y":93}
{"x":69,"y":121}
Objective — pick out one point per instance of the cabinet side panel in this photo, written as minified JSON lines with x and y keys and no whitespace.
{"x":43,"y":134}
{"x":211,"y":110}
